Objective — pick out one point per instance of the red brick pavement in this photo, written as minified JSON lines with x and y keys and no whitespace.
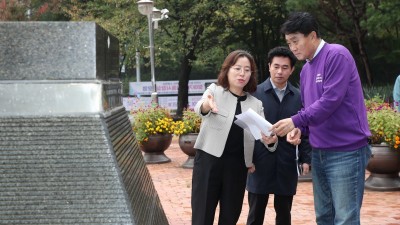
{"x":173,"y":184}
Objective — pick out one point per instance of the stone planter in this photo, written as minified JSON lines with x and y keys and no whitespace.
{"x":384,"y":167}
{"x":306,"y":178}
{"x":186,"y":143}
{"x":154,"y":148}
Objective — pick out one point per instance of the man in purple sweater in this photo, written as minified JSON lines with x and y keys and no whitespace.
{"x":334,"y":116}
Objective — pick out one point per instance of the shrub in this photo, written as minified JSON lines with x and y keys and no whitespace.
{"x":190,"y":123}
{"x":383,"y":122}
{"x":150,"y":121}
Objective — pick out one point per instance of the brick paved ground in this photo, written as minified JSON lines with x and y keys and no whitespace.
{"x":173,"y":184}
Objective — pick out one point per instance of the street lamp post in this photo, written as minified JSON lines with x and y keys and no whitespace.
{"x":154,"y":97}
{"x":146,"y":7}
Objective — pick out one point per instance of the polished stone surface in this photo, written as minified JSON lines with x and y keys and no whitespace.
{"x":57,"y":51}
{"x":30,"y":98}
{"x":49,"y":97}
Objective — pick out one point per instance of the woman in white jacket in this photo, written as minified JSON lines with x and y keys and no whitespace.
{"x":224,"y":150}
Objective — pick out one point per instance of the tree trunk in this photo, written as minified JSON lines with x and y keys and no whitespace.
{"x":363,"y":54}
{"x":183,"y":90}
{"x":186,"y":68}
{"x":356,"y":10}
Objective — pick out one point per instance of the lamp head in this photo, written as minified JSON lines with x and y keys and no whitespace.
{"x":164,"y":13}
{"x":156,"y":13}
{"x":145,"y":7}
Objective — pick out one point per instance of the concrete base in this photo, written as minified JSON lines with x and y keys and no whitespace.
{"x":383,"y":182}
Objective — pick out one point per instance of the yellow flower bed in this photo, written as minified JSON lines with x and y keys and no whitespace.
{"x":190,"y":123}
{"x":150,"y":121}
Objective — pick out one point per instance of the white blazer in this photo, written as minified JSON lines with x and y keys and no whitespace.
{"x":215,"y":127}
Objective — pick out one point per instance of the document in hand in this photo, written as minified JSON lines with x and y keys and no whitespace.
{"x":254,"y":123}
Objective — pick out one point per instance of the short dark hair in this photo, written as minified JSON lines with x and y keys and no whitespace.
{"x":283,"y":52}
{"x":300,"y":22}
{"x":230,"y":60}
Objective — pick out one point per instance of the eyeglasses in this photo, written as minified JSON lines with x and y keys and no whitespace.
{"x":239,"y":69}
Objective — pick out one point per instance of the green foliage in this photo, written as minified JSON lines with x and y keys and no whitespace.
{"x":120,"y":17}
{"x":379,"y":29}
{"x":384,"y":24}
{"x":383,"y":18}
{"x":254,"y":26}
{"x":31,"y":10}
{"x":384,"y":92}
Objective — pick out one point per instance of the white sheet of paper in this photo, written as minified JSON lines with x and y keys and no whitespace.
{"x":254,"y":123}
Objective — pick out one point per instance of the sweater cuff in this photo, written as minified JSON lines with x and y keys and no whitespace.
{"x":296,"y":120}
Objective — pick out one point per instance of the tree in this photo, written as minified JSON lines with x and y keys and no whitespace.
{"x":120,"y":17}
{"x":256,"y":24}
{"x":198,"y":33}
{"x":205,"y":29}
{"x":181,"y":38}
{"x":384,"y":23}
{"x":191,"y":30}
{"x":383,"y":18}
{"x":22,"y":10}
{"x":356,"y":11}
{"x":342,"y":19}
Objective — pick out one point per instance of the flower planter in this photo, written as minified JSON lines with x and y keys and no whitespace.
{"x":154,"y":148}
{"x":384,"y":167}
{"x":306,"y":178}
{"x":186,"y":143}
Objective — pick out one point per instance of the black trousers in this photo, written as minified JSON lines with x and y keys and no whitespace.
{"x":216,"y":180}
{"x":258,"y":204}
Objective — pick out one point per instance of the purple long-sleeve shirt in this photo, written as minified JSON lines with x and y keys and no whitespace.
{"x":334,"y":111}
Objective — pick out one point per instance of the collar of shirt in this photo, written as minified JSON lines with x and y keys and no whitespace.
{"x":321,"y":44}
{"x":278,"y":89}
{"x":239,"y":98}
{"x":279,"y":92}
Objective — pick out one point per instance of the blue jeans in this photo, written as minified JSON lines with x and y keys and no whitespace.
{"x":338,"y":185}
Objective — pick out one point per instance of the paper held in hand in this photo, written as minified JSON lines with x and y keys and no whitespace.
{"x":254,"y":123}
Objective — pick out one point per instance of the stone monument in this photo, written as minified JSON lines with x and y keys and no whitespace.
{"x":67,"y":151}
